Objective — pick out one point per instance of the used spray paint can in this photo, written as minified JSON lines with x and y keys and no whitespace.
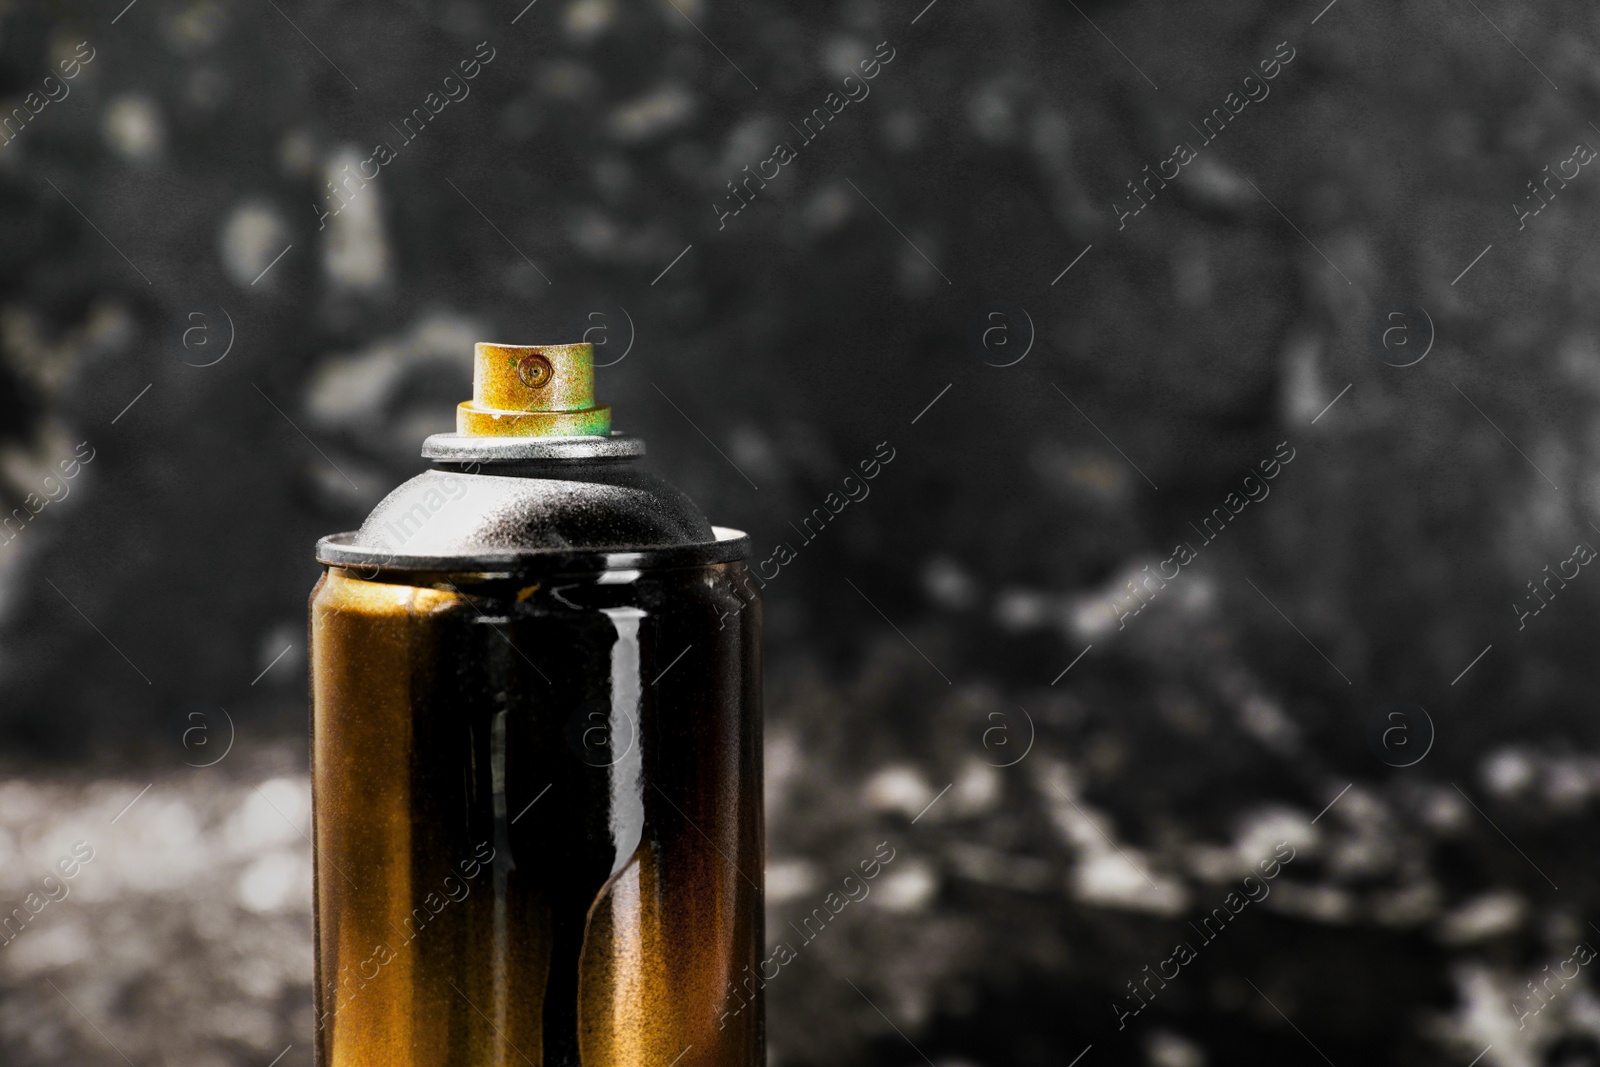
{"x":536,"y":753}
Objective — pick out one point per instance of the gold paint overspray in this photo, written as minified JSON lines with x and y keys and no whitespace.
{"x":536,"y":752}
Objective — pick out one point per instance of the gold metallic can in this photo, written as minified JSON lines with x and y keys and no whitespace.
{"x":536,"y":764}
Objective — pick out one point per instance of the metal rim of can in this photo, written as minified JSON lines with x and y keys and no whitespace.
{"x":467,"y":448}
{"x":729,"y":546}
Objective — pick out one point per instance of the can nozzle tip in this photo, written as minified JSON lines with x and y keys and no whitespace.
{"x":532,"y":391}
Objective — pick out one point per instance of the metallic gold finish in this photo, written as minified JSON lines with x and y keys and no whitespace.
{"x":534,"y":844}
{"x":594,"y":422}
{"x":532,"y":391}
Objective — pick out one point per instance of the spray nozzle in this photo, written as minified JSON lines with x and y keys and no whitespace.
{"x":532,"y":391}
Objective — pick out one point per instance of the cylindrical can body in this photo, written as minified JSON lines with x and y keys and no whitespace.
{"x":537,"y":818}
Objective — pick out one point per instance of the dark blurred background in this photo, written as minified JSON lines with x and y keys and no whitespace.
{"x":1381,"y":658}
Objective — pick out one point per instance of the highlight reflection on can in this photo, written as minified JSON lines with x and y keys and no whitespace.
{"x":536,"y":752}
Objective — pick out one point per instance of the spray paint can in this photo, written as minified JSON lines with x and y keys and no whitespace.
{"x":536,"y":753}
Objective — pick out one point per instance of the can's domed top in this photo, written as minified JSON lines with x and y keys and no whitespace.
{"x":533,"y":474}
